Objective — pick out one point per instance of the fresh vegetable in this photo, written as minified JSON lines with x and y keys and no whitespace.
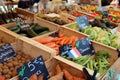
{"x":56,"y":20}
{"x":102,"y":36}
{"x":64,"y":74}
{"x":29,"y":30}
{"x":99,"y":61}
{"x":56,"y":42}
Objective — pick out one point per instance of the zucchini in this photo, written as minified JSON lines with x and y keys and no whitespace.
{"x":40,"y":29}
{"x":17,"y":30}
{"x":31,"y":33}
{"x":44,"y":32}
{"x":13,"y":28}
{"x":23,"y":34}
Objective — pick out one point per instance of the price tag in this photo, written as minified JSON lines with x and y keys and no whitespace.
{"x":85,"y":47}
{"x":82,"y":22}
{"x":6,"y":52}
{"x":36,"y":66}
{"x":105,"y":14}
{"x":65,"y":49}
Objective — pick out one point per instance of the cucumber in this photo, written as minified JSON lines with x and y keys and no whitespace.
{"x":23,"y":34}
{"x":17,"y":30}
{"x":13,"y":28}
{"x":44,"y":32}
{"x":31,"y":33}
{"x":40,"y":29}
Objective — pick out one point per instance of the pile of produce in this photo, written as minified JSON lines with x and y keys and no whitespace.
{"x":111,"y":18}
{"x":105,"y":24}
{"x":102,"y":36}
{"x":78,"y":14}
{"x":88,"y":8}
{"x":114,"y":13}
{"x":7,"y":17}
{"x":56,"y":20}
{"x":55,"y":41}
{"x":99,"y":61}
{"x":8,"y":69}
{"x":63,"y":74}
{"x":29,"y":30}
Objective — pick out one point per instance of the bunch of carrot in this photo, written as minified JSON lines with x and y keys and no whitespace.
{"x":56,"y":42}
{"x":63,"y":74}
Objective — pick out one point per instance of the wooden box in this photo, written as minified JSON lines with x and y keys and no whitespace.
{"x":68,"y":19}
{"x":51,"y":28}
{"x":6,"y":36}
{"x":30,"y":48}
{"x":97,"y":46}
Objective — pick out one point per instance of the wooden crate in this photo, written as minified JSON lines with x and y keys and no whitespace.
{"x":7,"y":36}
{"x":97,"y":46}
{"x":25,"y":14}
{"x":24,"y":45}
{"x":72,"y":68}
{"x":68,"y":19}
{"x":51,"y":28}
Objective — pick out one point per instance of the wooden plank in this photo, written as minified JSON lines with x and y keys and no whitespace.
{"x":10,"y":3}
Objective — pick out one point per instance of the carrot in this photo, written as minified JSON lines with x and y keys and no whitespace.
{"x":58,"y":69}
{"x":70,"y":40}
{"x":50,"y":44}
{"x":62,"y":41}
{"x":57,"y":39}
{"x":67,"y":40}
{"x":44,"y":39}
{"x":58,"y":42}
{"x":67,"y":75}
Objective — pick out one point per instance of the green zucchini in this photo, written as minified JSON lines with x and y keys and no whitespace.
{"x":31,"y":33}
{"x":13,"y":28}
{"x":17,"y":30}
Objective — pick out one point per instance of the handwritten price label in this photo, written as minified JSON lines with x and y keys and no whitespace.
{"x":36,"y":66}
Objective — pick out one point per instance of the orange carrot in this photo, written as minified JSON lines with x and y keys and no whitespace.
{"x":57,"y":39}
{"x":50,"y":44}
{"x":62,"y":41}
{"x":44,"y":39}
{"x":67,"y":75}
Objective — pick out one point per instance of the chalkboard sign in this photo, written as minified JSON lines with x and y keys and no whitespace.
{"x":65,"y":49}
{"x":36,"y":66}
{"x":105,"y":14}
{"x":6,"y":52}
{"x":82,"y":22}
{"x":85,"y":47}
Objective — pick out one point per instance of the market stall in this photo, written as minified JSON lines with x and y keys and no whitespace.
{"x":59,"y":40}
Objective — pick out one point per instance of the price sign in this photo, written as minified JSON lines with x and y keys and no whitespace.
{"x":6,"y":52}
{"x":85,"y":47}
{"x":105,"y":14}
{"x":65,"y":49}
{"x":82,"y":22}
{"x":36,"y":66}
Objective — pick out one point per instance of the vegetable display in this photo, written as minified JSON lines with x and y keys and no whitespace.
{"x":29,"y":30}
{"x":56,"y":20}
{"x":99,"y":61}
{"x":57,"y":41}
{"x":8,"y":17}
{"x":8,"y":69}
{"x":63,"y":74}
{"x":100,"y":35}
